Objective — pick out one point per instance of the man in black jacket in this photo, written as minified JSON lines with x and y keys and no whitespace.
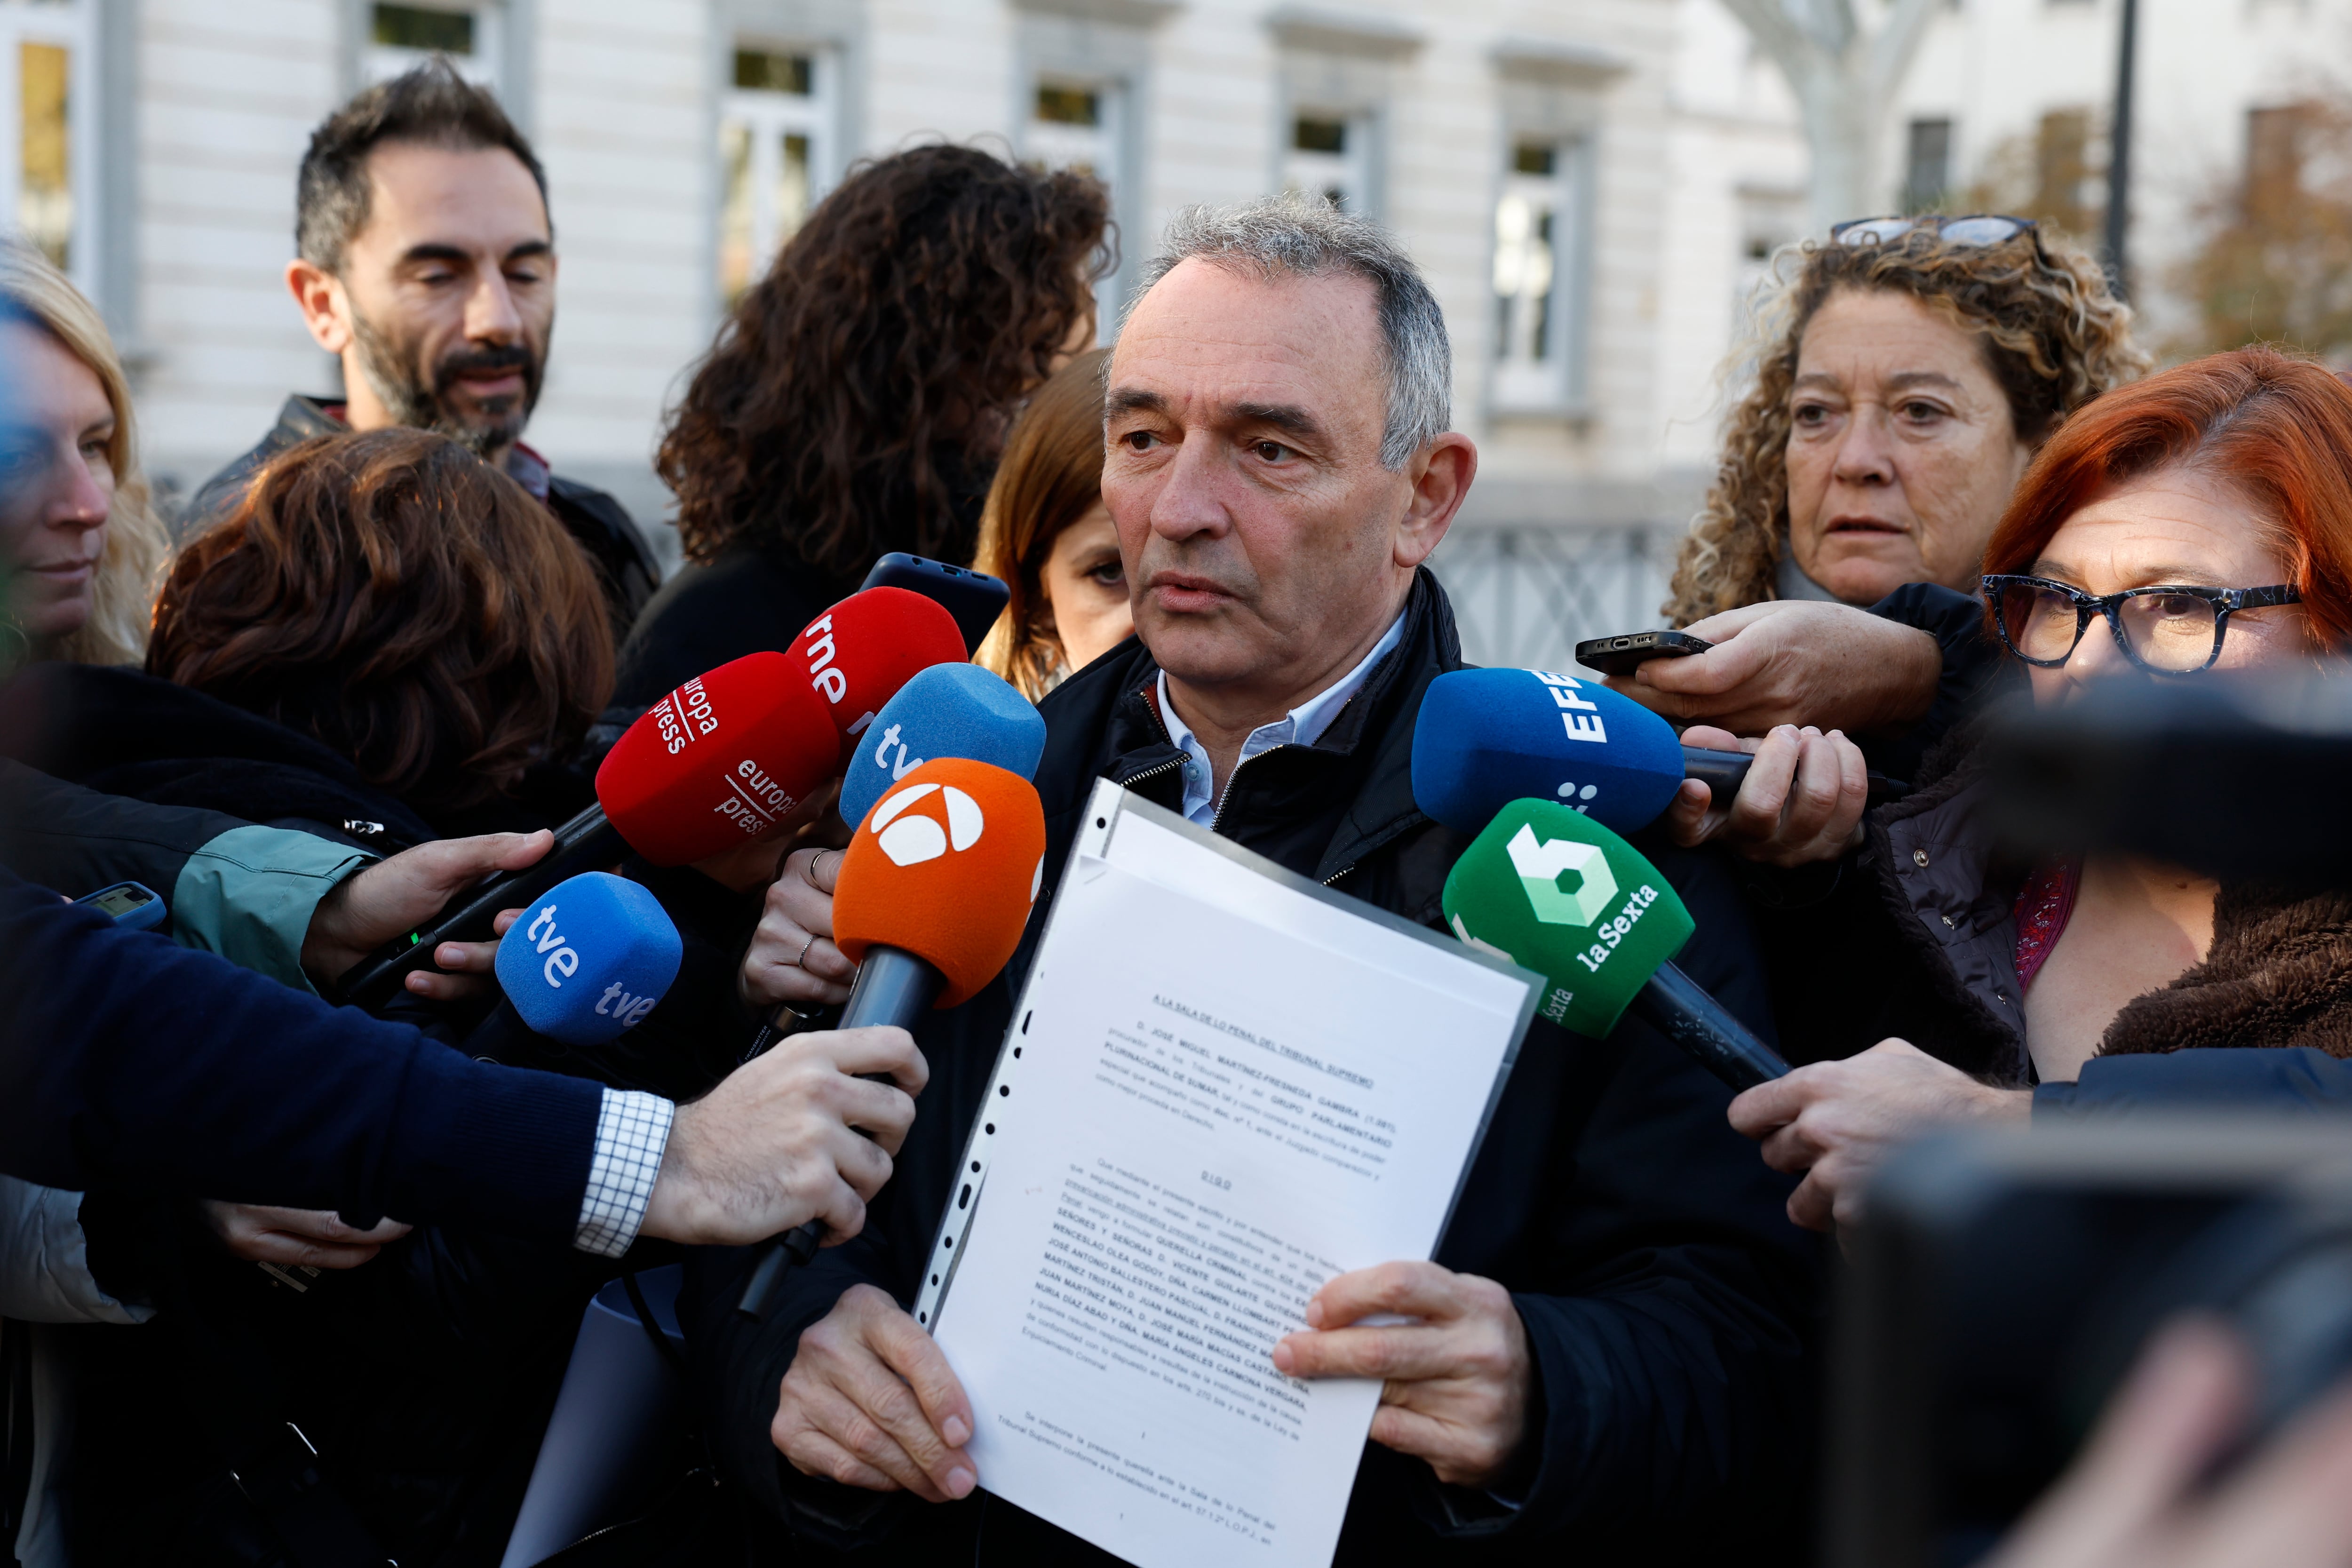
{"x":426,"y":262}
{"x":1608,"y":1353}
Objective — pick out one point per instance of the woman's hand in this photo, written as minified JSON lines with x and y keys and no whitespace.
{"x":1801,"y":801}
{"x":1837,"y":1122}
{"x":791,"y":958}
{"x":296,"y":1238}
{"x":1795,"y":662}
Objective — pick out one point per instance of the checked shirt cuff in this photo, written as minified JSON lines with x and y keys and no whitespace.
{"x":632,"y":1130}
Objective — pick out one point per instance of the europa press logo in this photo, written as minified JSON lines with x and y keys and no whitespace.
{"x":950,"y":819}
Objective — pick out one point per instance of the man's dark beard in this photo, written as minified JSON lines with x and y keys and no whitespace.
{"x":394,"y":371}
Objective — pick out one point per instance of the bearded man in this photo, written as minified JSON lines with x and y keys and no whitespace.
{"x":426,"y":262}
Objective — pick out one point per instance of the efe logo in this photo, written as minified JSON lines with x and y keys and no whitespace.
{"x":911,"y":839}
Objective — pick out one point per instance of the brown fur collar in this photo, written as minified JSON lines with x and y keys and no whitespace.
{"x":2280,"y":974}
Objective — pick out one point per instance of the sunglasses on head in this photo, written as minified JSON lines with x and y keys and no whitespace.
{"x":1975,"y":229}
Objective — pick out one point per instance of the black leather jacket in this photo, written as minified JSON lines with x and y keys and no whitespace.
{"x":1667,"y":1298}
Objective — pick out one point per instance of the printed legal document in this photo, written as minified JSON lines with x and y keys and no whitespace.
{"x":1223,"y":1086}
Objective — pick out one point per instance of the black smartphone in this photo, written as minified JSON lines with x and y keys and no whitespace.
{"x":974,"y":598}
{"x":1619,"y":655}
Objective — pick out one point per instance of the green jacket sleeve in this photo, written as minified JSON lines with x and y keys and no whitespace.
{"x":233,"y":889}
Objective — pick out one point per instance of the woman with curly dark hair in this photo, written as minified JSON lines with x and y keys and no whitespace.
{"x":856,"y":401}
{"x":413,"y":609}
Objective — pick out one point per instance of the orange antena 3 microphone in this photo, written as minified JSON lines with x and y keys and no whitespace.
{"x":932,"y":895}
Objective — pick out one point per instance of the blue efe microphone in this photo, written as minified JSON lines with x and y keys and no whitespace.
{"x":589,"y":958}
{"x":947,"y":710}
{"x":1488,"y":737}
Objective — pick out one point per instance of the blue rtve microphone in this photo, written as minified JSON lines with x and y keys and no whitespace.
{"x":589,"y":958}
{"x":947,"y":710}
{"x":1488,"y":737}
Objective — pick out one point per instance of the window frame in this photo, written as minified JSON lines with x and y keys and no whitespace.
{"x":1555,"y":385}
{"x":772,"y":115}
{"x":486,"y":66}
{"x":71,"y":26}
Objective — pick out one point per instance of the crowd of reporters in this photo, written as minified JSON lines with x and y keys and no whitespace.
{"x":391,"y":653}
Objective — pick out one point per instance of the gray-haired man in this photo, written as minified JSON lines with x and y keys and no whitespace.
{"x":1607,"y":1348}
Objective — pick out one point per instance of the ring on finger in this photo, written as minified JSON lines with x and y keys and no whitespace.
{"x":802,"y":962}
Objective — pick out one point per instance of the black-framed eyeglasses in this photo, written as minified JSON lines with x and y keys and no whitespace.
{"x":1975,"y":229}
{"x":2165,"y":630}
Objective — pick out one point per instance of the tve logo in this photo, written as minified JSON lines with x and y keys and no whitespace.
{"x":952,"y":819}
{"x":563,"y":958}
{"x":596,"y":957}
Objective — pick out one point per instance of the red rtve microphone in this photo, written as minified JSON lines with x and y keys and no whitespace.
{"x":933,"y":893}
{"x":859,"y":653}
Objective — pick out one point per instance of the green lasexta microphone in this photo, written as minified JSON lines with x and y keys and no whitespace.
{"x":1554,"y":892}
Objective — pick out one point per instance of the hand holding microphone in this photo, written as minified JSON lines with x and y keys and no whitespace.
{"x":1487,"y":737}
{"x":932,"y":895}
{"x":946,"y":710}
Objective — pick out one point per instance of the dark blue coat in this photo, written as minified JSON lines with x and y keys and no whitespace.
{"x":1667,"y":1298}
{"x":126,"y":1061}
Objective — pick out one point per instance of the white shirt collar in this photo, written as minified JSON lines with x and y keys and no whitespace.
{"x":1302,"y":726}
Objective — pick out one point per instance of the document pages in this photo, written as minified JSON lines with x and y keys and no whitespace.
{"x":1223,"y":1086}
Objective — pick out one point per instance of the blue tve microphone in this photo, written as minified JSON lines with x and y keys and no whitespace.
{"x":589,"y":958}
{"x":1488,"y":737}
{"x":947,"y":710}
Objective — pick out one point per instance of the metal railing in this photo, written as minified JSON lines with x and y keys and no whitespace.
{"x":1525,"y":595}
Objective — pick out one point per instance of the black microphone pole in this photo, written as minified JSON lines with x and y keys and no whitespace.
{"x":893,"y":987}
{"x":1673,"y":1003}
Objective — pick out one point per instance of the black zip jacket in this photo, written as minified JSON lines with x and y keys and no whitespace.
{"x":1667,"y":1299}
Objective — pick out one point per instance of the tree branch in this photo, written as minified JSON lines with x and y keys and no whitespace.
{"x":1898,"y":43}
{"x":1776,"y":33}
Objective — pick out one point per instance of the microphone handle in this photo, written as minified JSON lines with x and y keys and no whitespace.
{"x":583,"y":844}
{"x":1673,"y":1003}
{"x":1722,"y":771}
{"x":893,"y":987}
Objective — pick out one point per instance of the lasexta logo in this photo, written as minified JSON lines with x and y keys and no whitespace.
{"x":950,"y":819}
{"x":1543,"y":863}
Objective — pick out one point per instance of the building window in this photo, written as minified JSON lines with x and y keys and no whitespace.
{"x":775,"y":157}
{"x":1538,"y":251}
{"x":1329,"y":153}
{"x":1080,"y":125}
{"x":47,"y":126}
{"x":403,"y":37}
{"x":1074,"y":125}
{"x":1927,"y":167}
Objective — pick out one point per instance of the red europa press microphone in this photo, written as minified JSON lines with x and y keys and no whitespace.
{"x":725,"y":758}
{"x":932,"y":898}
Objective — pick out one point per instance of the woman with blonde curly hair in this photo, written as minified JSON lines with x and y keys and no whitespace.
{"x":80,"y":543}
{"x":1900,"y":377}
{"x":1905,"y":373}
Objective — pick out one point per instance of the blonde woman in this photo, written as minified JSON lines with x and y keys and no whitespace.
{"x":1047,"y":534}
{"x":79,"y":541}
{"x":1902,"y":375}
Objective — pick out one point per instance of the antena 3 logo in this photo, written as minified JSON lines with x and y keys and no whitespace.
{"x":950,"y":819}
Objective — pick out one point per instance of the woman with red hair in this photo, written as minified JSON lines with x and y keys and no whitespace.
{"x":2198,"y":520}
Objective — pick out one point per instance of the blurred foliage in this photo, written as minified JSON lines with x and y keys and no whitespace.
{"x":2050,"y":176}
{"x":2273,"y":260}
